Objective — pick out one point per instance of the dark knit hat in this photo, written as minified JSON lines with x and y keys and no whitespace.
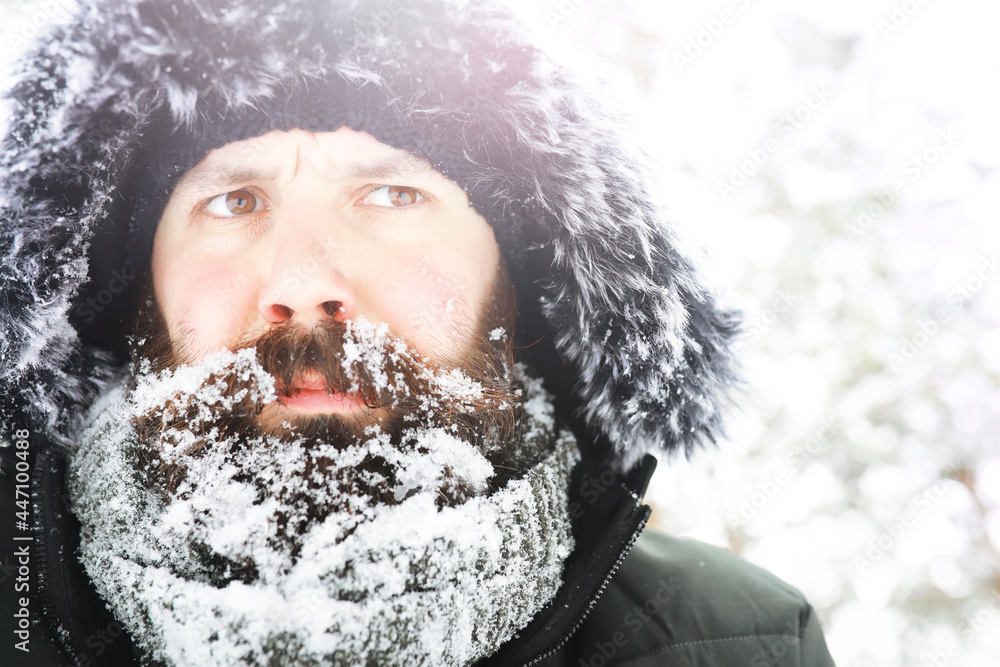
{"x":115,"y":107}
{"x":171,"y":151}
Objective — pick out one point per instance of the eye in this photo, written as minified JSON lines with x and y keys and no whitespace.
{"x":231,"y":204}
{"x":393,"y":196}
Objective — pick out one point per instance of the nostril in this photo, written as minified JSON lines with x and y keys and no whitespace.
{"x":282,"y":312}
{"x":332,"y":308}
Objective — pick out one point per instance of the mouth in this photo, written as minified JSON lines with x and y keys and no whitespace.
{"x":310,"y":395}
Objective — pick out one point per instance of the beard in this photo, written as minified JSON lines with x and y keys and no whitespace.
{"x":450,"y":427}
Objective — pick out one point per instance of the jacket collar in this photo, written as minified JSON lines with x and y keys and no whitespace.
{"x":608,"y":516}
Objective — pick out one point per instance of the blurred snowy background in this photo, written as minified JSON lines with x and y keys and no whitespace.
{"x":840,"y":165}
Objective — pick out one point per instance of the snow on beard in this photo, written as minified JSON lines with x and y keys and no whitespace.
{"x":204,"y":428}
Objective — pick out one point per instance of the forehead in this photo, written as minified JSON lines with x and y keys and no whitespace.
{"x":344,"y":154}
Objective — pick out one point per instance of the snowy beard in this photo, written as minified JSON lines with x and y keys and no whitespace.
{"x":194,"y":420}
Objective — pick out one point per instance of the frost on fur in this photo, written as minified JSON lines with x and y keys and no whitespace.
{"x":643,"y":342}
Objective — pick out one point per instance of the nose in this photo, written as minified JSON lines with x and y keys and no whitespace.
{"x":304,"y":283}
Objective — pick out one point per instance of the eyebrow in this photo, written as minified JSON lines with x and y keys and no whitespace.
{"x":386,"y":168}
{"x":217,"y":177}
{"x":212,"y":178}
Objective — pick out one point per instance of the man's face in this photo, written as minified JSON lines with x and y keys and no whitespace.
{"x":299,"y":229}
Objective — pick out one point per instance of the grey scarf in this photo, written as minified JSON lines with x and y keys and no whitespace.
{"x":405,"y":584}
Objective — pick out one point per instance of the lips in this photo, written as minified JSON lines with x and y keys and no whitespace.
{"x":309,"y":394}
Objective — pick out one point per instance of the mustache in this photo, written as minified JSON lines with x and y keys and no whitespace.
{"x":388,"y":375}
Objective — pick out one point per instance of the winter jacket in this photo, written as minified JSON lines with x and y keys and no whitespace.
{"x":611,"y":310}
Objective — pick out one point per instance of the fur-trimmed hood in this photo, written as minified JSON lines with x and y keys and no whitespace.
{"x":629,"y":337}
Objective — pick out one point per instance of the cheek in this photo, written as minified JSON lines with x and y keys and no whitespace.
{"x":206,"y":305}
{"x":429,"y":306}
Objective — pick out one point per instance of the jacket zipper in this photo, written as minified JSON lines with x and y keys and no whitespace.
{"x":61,"y":636}
{"x":593,"y":601}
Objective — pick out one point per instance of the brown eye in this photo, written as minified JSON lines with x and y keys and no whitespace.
{"x":237,"y":202}
{"x":394,"y":196}
{"x":241,"y":201}
{"x":400,"y":195}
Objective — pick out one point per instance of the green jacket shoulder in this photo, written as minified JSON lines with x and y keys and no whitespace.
{"x":677,"y":601}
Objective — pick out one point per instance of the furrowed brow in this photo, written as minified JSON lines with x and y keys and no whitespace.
{"x":210,"y":179}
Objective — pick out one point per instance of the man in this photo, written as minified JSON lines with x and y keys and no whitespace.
{"x":408,"y":321}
